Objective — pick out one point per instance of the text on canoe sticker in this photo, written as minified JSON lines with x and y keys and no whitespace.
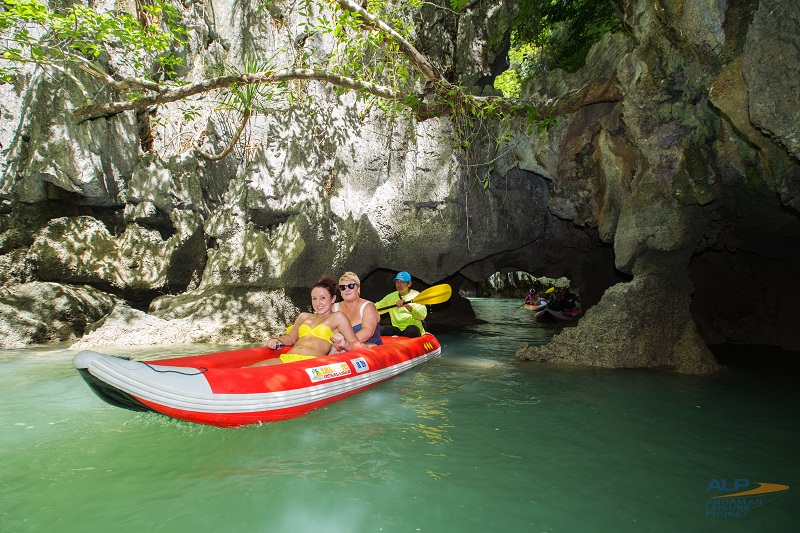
{"x":360,"y":364}
{"x":333,"y":370}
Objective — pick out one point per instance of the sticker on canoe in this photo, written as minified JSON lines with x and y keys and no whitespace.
{"x":360,"y":364}
{"x":333,"y":370}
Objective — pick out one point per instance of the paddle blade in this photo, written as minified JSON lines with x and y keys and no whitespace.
{"x":433,"y":295}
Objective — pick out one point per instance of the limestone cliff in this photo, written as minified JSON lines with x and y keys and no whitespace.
{"x":667,"y":192}
{"x":692,"y":178}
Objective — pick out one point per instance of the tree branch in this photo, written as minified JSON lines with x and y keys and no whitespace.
{"x":223,"y":154}
{"x":418,"y":59}
{"x":163,"y":96}
{"x":90,"y":112}
{"x":127,"y":83}
{"x":439,"y":98}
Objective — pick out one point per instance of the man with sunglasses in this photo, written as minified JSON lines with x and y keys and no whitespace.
{"x":406,"y":317}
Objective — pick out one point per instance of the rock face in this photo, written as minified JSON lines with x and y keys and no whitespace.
{"x":643,"y":318}
{"x":667,"y":192}
{"x":688,"y":175}
{"x":40,"y":312}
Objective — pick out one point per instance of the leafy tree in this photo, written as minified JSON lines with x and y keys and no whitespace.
{"x":373,"y":56}
{"x":551,"y":34}
{"x":77,"y":39}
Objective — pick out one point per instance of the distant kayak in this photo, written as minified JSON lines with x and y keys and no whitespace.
{"x":534,"y":307}
{"x":549,"y":316}
{"x":222,"y":389}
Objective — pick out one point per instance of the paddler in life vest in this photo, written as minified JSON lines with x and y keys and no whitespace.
{"x":406,"y":316}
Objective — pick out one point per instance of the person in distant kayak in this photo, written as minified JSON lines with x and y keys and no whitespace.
{"x":406,"y":316}
{"x":313,"y":334}
{"x":362,"y":313}
{"x":532,"y":298}
{"x":561,"y":303}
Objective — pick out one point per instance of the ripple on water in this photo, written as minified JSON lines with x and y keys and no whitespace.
{"x":470,"y":442}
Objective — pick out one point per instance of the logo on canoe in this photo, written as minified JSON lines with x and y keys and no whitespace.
{"x":360,"y":364}
{"x":745,"y":497}
{"x":427,"y":345}
{"x":333,"y":370}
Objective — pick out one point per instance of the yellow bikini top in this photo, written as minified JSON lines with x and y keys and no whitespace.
{"x":321,"y":331}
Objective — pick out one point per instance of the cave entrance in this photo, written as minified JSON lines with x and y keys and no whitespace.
{"x":512,"y":284}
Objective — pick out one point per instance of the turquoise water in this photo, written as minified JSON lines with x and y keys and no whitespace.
{"x":473,"y":441}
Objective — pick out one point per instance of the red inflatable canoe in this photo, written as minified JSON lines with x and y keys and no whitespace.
{"x":220,"y":390}
{"x":548,"y":315}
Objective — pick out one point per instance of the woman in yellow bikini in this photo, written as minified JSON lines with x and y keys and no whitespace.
{"x":310,"y":336}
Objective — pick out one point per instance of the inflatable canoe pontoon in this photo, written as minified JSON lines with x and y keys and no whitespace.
{"x":220,"y":390}
{"x":534,"y":308}
{"x":548,"y":315}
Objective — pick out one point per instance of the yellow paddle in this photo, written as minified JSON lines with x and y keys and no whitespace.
{"x":551,"y":289}
{"x":432,"y":295}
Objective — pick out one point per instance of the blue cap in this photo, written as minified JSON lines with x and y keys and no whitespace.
{"x":405,"y":277}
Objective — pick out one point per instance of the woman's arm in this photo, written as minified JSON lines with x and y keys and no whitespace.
{"x":287,"y":339}
{"x":348,"y":340}
{"x":369,"y":321}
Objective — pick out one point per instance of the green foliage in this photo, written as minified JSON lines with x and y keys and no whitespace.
{"x":363,"y":52}
{"x":559,"y":33}
{"x":509,"y":84}
{"x":535,"y":120}
{"x":76,"y":36}
{"x":368,"y":56}
{"x":250,"y":98}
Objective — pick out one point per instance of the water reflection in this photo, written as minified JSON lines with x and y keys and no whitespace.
{"x":428,"y":396}
{"x":474,"y":441}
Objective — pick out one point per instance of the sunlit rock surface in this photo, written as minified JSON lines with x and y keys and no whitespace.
{"x":667,"y":192}
{"x":37,"y":312}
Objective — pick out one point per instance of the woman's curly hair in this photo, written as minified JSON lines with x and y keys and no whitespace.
{"x":327,"y":283}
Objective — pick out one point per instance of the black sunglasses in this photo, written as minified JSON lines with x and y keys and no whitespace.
{"x":350,"y":286}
